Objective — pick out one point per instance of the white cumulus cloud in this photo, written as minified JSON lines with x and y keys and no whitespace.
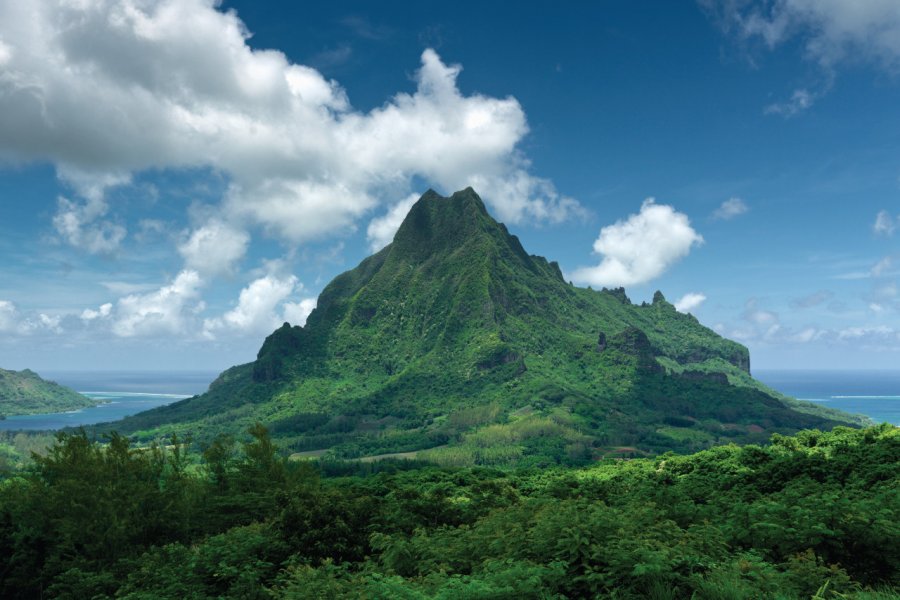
{"x":81,"y":225}
{"x":689,"y":302}
{"x":9,"y":317}
{"x":90,"y":314}
{"x":214,"y":248}
{"x":14,"y":322}
{"x":104,"y":89}
{"x":50,"y":322}
{"x":381,"y":229}
{"x":296,"y":313}
{"x":168,"y":310}
{"x":641,"y":247}
{"x":256,"y":310}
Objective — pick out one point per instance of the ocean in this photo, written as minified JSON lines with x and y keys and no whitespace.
{"x":123,"y":393}
{"x":875,"y":394}
{"x":872,"y":393}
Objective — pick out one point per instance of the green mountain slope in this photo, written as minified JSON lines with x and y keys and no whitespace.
{"x":25,"y":393}
{"x":454,"y":338}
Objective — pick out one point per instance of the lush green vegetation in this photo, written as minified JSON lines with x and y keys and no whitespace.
{"x":455,"y":342}
{"x":25,"y":393}
{"x":17,"y":448}
{"x":815,"y":515}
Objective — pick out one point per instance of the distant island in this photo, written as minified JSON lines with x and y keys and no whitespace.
{"x":26,"y":393}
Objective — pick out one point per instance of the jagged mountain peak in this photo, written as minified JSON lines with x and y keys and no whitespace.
{"x":454,"y":325}
{"x":438,"y":224}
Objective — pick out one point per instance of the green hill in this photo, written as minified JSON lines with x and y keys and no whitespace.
{"x":455,"y":342}
{"x":25,"y":393}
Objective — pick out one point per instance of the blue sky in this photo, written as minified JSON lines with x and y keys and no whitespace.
{"x":179,"y":177}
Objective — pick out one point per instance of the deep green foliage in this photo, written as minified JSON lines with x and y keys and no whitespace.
{"x":809,"y":516}
{"x":16,"y":448}
{"x":25,"y":393}
{"x":454,"y":336}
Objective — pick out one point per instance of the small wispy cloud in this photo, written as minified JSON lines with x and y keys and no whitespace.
{"x":884,"y":224}
{"x":831,"y":34}
{"x":882,"y":266}
{"x":331,"y":57}
{"x":760,"y":325}
{"x":124,"y":288}
{"x":800,"y":100}
{"x":814,"y":299}
{"x":730,"y":209}
{"x":877,"y":332}
{"x":806,"y":335}
{"x":366,"y":29}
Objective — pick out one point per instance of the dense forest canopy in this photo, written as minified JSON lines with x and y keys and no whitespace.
{"x":811,"y":515}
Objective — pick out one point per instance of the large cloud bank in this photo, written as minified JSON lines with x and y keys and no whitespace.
{"x":107,"y":88}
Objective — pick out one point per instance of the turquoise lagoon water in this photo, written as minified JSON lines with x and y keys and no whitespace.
{"x":121,"y":393}
{"x":875,"y":394}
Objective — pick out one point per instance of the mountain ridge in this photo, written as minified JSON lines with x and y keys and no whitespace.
{"x":454,"y":329}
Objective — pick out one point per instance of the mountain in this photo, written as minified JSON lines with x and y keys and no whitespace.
{"x":455,"y":342}
{"x":25,"y":393}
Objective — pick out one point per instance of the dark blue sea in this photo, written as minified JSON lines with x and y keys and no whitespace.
{"x":123,"y":393}
{"x":872,"y":393}
{"x":875,"y":394}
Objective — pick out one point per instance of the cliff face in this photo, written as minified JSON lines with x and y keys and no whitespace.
{"x":456,"y":318}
